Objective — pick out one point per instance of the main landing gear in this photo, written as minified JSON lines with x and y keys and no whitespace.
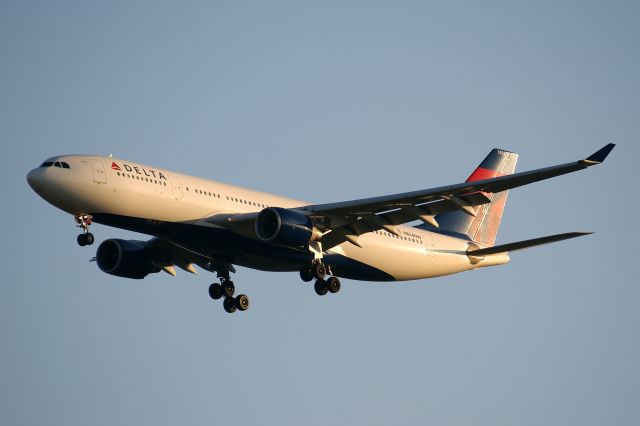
{"x":318,"y":270}
{"x":227,"y":289}
{"x":83,"y":221}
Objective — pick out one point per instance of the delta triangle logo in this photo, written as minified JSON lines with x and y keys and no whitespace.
{"x":114,"y":166}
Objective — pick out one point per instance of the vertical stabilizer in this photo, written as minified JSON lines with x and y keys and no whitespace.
{"x":483,"y":228}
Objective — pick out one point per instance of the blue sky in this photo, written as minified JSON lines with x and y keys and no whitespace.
{"x":325,"y":102}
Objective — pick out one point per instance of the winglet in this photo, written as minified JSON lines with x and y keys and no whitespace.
{"x":599,"y":156}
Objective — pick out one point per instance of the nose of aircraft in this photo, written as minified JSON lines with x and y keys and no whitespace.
{"x":35,"y":179}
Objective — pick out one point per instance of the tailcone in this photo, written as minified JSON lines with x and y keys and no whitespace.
{"x":481,"y":261}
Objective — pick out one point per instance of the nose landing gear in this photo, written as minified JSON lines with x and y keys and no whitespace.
{"x":83,"y":221}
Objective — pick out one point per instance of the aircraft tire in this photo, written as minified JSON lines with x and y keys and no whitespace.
{"x":321,"y":288}
{"x":319,"y":271}
{"x":333,"y":284}
{"x":81,"y":240}
{"x":215,"y":291}
{"x":242,"y":302}
{"x":88,"y":238}
{"x":229,"y":304}
{"x":228,"y":289}
{"x":306,"y":274}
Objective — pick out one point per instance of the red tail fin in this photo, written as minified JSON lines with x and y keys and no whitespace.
{"x":484,"y":227}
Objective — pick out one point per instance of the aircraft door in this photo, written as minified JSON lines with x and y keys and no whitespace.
{"x":176,"y":187}
{"x":99,"y":175}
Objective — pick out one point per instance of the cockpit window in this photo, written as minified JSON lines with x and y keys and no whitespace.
{"x":58,"y":164}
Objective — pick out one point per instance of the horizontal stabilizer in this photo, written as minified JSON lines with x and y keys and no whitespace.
{"x":503,"y":248}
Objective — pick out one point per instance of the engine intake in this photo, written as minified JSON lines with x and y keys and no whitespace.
{"x":285,"y":227}
{"x":127,"y":259}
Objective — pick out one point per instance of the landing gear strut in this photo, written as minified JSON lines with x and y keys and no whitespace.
{"x":318,"y":270}
{"x":226,"y":289}
{"x":83,"y":221}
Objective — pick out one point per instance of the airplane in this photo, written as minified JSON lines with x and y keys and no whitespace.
{"x":194,"y":221}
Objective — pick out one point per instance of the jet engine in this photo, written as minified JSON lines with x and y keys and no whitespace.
{"x":124,"y":258}
{"x":285,"y":227}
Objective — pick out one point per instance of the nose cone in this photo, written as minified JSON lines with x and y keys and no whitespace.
{"x":35,"y":179}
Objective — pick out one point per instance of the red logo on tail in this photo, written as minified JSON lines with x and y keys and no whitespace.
{"x":114,"y":166}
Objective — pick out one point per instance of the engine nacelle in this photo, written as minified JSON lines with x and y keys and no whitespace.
{"x":127,"y":259}
{"x":285,"y":227}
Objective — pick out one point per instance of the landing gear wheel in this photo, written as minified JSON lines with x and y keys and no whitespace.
{"x":321,"y":288}
{"x":242,"y":302}
{"x":228,"y":289}
{"x":319,"y":270}
{"x":84,"y":221}
{"x":306,"y":273}
{"x":215,"y":291}
{"x":229,"y":304}
{"x":333,"y":284}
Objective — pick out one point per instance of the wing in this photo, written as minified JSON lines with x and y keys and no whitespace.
{"x":166,"y":254}
{"x":345,"y":221}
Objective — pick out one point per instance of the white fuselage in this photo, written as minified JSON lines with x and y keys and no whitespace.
{"x":155,"y":197}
